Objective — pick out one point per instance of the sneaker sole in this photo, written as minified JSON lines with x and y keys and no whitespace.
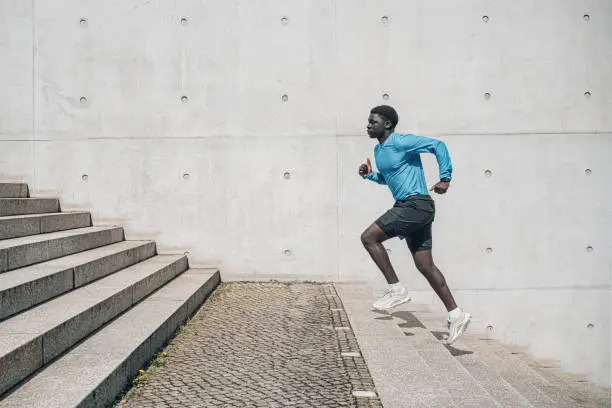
{"x":395,"y":304}
{"x":462,"y":330}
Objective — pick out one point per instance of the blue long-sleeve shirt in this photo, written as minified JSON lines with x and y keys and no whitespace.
{"x":400,"y":167}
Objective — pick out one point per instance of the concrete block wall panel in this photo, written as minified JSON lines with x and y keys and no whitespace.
{"x":179,"y":121}
{"x":261,"y":206}
{"x":16,"y":70}
{"x":16,"y":90}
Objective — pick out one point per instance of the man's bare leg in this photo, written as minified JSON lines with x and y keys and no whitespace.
{"x":458,"y":320}
{"x":372,"y":239}
{"x":425,"y":264}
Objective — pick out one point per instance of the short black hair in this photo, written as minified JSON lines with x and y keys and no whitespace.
{"x":387,"y":112}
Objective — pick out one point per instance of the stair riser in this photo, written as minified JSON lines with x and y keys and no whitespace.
{"x":13,"y":190}
{"x":18,"y":365}
{"x":22,"y":297}
{"x":28,"y":206}
{"x":22,"y":227}
{"x":29,"y":254}
{"x":19,"y":227}
{"x":60,"y":338}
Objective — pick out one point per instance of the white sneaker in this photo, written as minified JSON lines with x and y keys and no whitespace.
{"x":392,"y":298}
{"x":458,"y":326}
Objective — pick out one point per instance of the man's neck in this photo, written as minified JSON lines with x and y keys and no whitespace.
{"x":382,"y":139}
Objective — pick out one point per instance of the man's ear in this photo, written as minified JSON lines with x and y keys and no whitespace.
{"x":388,"y":124}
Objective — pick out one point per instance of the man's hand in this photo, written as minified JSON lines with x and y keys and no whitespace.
{"x":365,"y":168}
{"x":441,"y":187}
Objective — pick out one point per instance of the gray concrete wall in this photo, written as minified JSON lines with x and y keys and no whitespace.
{"x":92,"y":111}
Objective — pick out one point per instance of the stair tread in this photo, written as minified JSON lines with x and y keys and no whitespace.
{"x":33,"y":239}
{"x":28,"y":198}
{"x":41,"y":215}
{"x":115,"y":350}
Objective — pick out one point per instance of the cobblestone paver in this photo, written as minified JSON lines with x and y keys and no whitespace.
{"x":260,"y":345}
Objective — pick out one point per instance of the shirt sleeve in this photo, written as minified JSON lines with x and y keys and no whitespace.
{"x":376,"y":177}
{"x":420,"y":144}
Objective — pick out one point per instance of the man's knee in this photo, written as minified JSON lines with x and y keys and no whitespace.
{"x":370,"y":237}
{"x":426,"y":268}
{"x":366,"y":238}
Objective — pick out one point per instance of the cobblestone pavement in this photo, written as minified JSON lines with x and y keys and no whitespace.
{"x":260,"y":345}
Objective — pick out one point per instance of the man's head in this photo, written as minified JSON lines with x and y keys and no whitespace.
{"x":382,"y":119}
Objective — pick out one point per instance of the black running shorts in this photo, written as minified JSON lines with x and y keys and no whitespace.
{"x":410,"y":219}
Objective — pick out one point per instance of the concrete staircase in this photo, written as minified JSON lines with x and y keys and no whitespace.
{"x":412,"y":367}
{"x":81,"y":308}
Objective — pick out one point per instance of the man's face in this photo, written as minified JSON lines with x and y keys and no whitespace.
{"x":377,"y":125}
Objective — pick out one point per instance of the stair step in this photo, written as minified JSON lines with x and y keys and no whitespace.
{"x":400,"y":371}
{"x":22,"y":206}
{"x":503,"y":393}
{"x":568,"y":389}
{"x":13,"y":190}
{"x":19,"y":252}
{"x":33,"y":338}
{"x":465,"y":390}
{"x":23,"y":288}
{"x":487,"y":359}
{"x":15,"y":226}
{"x":97,"y":370}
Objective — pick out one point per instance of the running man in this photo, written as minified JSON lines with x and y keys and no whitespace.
{"x":399,"y":164}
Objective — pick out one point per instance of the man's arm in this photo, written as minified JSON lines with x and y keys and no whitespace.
{"x":421,"y":144}
{"x":365,"y":171}
{"x":376,"y":177}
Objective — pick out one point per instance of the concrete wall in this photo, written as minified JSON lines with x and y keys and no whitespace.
{"x":233,"y":130}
